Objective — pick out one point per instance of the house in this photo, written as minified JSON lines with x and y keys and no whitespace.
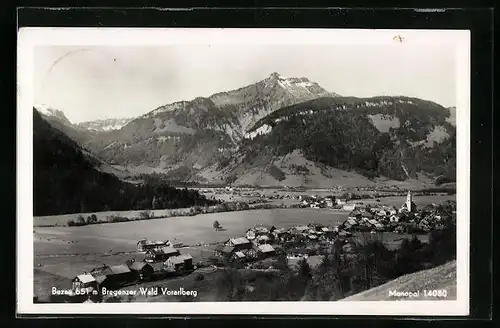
{"x":160,"y":254}
{"x":328,"y":202}
{"x":141,"y":269}
{"x":266,"y":250}
{"x":239,"y":243}
{"x":312,"y":237}
{"x":264,"y":229}
{"x":349,"y":207}
{"x":263,"y":239}
{"x":340,"y":202}
{"x":301,"y":229}
{"x":113,"y":276}
{"x":144,"y":245}
{"x":250,"y":234}
{"x":394,"y":218}
{"x":352,"y":221}
{"x":180,"y":263}
{"x":224,"y":250}
{"x":85,"y":281}
{"x":239,"y":256}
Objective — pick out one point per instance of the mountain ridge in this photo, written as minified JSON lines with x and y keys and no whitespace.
{"x":233,"y":133}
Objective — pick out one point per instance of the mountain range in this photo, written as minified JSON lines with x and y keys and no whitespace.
{"x":278,"y":131}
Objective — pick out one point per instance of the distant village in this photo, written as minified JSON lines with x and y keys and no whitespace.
{"x":163,"y":259}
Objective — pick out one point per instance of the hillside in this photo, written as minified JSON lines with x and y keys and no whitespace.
{"x":396,"y":137}
{"x":443,"y":277}
{"x":200,"y":132}
{"x":58,"y":120}
{"x":287,"y":131}
{"x":68,"y":179}
{"x":104,"y":125}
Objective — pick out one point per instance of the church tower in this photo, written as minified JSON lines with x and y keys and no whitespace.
{"x":409,"y":201}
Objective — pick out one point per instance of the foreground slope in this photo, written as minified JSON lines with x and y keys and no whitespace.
{"x":443,"y":277}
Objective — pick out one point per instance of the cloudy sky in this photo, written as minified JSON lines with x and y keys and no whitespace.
{"x":97,"y":82}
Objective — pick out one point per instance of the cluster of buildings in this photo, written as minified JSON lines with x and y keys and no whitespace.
{"x":160,"y":258}
{"x":262,"y":241}
{"x":384,"y":218}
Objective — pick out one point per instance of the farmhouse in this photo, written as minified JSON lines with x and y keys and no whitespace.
{"x":85,"y":281}
{"x":141,"y":269}
{"x":349,"y":207}
{"x":113,"y":276}
{"x":262,"y":239}
{"x":266,"y":250}
{"x":239,"y":256}
{"x":180,"y":263}
{"x":144,"y":245}
{"x":250,"y":234}
{"x":239,"y":243}
{"x":160,"y":254}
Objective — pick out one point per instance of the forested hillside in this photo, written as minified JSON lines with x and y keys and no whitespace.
{"x":66,"y":180}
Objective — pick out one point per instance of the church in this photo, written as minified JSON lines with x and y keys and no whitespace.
{"x":409,"y":205}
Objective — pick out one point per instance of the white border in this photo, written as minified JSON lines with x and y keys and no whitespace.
{"x":28,"y":38}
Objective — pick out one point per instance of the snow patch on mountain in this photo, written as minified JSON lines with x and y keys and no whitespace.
{"x":108,"y":124}
{"x":384,"y":123}
{"x":47,"y":111}
{"x":264,"y":129}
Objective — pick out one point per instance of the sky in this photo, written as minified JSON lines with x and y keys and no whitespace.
{"x":98,"y":82}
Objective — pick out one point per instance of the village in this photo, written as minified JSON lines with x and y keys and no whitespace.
{"x":258,"y":247}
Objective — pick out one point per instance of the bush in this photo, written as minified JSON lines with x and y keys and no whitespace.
{"x":199,"y":277}
{"x":146,"y":215}
{"x":91,"y":219}
{"x":115,"y":218}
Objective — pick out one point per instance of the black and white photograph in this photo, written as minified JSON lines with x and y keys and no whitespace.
{"x":243,"y":171}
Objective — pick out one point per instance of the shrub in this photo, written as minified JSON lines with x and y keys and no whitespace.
{"x":115,"y":218}
{"x":80,"y":220}
{"x":91,"y":219}
{"x":199,"y":277}
{"x":146,"y":215}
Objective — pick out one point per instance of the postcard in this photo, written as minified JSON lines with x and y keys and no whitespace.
{"x":243,"y":171}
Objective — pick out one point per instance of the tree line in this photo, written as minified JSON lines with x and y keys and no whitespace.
{"x":67,"y":180}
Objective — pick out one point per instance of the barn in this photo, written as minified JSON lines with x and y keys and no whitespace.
{"x":84,"y":281}
{"x":239,"y":243}
{"x":114,"y":276}
{"x":141,"y":269}
{"x":160,"y":254}
{"x":180,"y":263}
{"x":266,"y":250}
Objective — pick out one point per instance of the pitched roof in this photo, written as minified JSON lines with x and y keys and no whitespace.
{"x":227,"y":249}
{"x":239,"y":254}
{"x":176,"y":260}
{"x":99,"y":278}
{"x":266,"y":248}
{"x":101,"y":271}
{"x":118,"y":269}
{"x":239,"y":241}
{"x":165,"y":250}
{"x":86,"y":278}
{"x":137,"y":265}
{"x":157,"y":266}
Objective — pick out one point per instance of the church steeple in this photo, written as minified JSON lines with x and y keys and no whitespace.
{"x":409,"y":201}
